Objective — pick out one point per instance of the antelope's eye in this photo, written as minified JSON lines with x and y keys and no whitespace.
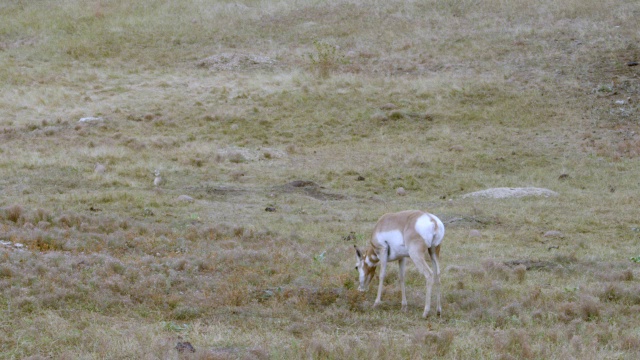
{"x":356,"y":267}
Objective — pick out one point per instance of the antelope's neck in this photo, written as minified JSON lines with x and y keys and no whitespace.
{"x":371,"y":259}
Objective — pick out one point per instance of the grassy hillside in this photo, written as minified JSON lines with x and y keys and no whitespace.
{"x":290,"y":124}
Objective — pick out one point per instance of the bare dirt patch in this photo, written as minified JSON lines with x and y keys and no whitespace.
{"x":308,"y":188}
{"x":300,"y":187}
{"x":236,"y":61}
{"x":241,"y":154}
{"x":533,"y":264}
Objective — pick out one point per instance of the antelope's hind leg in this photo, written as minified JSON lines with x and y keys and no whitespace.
{"x":435,"y":254}
{"x":402,"y":264}
{"x":418,"y":259}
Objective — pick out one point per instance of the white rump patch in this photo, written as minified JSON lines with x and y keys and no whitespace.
{"x":426,"y":227}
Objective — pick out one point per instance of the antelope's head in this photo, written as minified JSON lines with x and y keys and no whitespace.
{"x":366,"y":266}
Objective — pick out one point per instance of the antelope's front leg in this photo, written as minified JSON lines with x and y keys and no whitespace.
{"x":383,"y":272}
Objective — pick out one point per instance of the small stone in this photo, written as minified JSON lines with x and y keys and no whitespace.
{"x":99,"y":168}
{"x":376,"y":198}
{"x":401,"y":191}
{"x":388,"y":106}
{"x":360,"y":178}
{"x":90,"y":119}
{"x":553,"y":234}
{"x":457,"y":148}
{"x":475,"y":233}
{"x":379,"y":116}
{"x":185,"y":346}
{"x":632,"y":63}
{"x":185,"y":198}
{"x":18,"y":245}
{"x":270,"y":209}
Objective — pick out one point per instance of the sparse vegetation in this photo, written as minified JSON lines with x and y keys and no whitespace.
{"x":290,"y":126}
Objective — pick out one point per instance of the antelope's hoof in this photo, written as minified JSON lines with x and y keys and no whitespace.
{"x":404,"y":308}
{"x":375,"y":304}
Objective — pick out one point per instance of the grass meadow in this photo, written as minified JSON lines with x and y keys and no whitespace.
{"x":289,"y":125}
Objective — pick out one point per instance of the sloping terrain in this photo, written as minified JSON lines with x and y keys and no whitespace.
{"x":282,"y":132}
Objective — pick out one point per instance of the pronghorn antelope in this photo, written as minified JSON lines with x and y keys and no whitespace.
{"x":397,"y":236}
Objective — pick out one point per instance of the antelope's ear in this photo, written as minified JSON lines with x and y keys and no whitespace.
{"x":358,"y":253}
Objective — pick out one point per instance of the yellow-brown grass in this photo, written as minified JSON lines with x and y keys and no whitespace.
{"x":234,"y":101}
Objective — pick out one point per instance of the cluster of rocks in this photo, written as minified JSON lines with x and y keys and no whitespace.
{"x":11,"y":245}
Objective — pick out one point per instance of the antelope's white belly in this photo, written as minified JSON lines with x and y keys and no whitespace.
{"x":395,"y":241}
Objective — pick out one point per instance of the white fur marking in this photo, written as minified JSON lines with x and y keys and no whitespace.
{"x":425,"y":227}
{"x":369,"y":263}
{"x":395,"y":241}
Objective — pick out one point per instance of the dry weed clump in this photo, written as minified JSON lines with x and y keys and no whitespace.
{"x":616,"y":276}
{"x":319,"y":349}
{"x":13,"y":213}
{"x":513,"y":344}
{"x":232,"y":294}
{"x":620,"y":294}
{"x":436,"y":342}
{"x":6,"y":271}
{"x":630,"y":343}
{"x":499,"y":270}
{"x":520,"y":272}
{"x":587,"y":308}
{"x":62,"y":280}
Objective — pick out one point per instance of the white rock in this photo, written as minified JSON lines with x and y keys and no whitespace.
{"x":90,"y":119}
{"x":401,"y":191}
{"x":503,"y":193}
{"x":158,"y":179}
{"x":185,"y":198}
{"x":99,"y":168}
{"x":475,"y":233}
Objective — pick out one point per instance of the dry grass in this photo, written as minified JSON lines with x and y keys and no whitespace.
{"x":234,"y":102}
